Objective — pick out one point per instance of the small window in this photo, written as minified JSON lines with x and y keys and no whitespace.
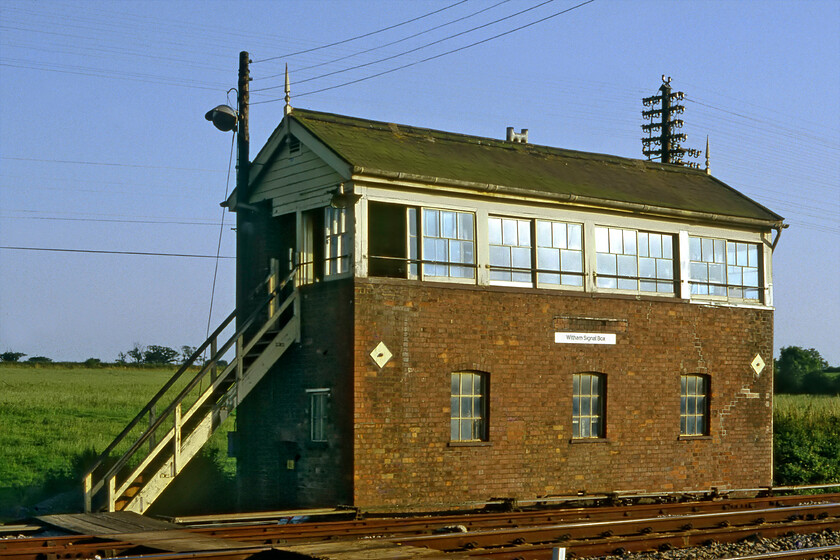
{"x":694,"y":405}
{"x":468,"y":406}
{"x":588,"y":397}
{"x":634,"y":260}
{"x":724,"y":268}
{"x":318,"y":399}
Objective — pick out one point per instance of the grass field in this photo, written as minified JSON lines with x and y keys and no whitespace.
{"x":806,"y":439}
{"x":54,"y":418}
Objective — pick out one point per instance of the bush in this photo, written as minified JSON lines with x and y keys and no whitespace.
{"x":11,"y":356}
{"x":93,"y":362}
{"x":39,"y":360}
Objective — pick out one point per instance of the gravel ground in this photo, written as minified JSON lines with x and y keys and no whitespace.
{"x":748,"y":547}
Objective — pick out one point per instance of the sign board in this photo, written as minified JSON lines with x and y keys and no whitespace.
{"x":584,"y":338}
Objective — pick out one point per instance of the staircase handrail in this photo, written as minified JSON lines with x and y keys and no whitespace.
{"x":103,"y":457}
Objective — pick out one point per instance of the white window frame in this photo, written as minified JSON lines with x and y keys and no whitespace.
{"x":338,"y":242}
{"x":631,"y":251}
{"x":318,"y":416}
{"x":730,"y":251}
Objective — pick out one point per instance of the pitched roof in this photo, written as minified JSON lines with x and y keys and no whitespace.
{"x":437,"y":157}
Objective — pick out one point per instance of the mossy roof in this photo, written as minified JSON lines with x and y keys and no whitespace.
{"x":444,"y":157}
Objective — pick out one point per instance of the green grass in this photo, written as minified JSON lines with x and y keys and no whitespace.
{"x":54,"y":419}
{"x":806,"y":440}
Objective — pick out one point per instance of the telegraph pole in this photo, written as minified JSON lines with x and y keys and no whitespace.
{"x":244,"y":218}
{"x":670,"y":150}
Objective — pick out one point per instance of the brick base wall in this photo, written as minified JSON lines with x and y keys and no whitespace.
{"x":402,"y":452}
{"x":278,"y":466}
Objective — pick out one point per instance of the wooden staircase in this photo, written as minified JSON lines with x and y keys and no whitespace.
{"x":171,"y":429}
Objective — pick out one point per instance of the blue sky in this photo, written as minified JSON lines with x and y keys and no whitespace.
{"x":104,"y":146}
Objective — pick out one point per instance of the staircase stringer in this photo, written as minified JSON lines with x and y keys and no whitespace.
{"x":136,"y":488}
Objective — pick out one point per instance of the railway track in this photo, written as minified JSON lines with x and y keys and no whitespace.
{"x":521,"y":535}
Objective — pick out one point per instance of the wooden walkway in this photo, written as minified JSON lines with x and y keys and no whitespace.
{"x":139,"y":530}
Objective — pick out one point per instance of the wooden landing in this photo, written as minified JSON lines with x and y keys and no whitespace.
{"x":139,"y":530}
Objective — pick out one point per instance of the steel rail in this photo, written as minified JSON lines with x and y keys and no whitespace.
{"x":627,"y":528}
{"x":649,"y":543}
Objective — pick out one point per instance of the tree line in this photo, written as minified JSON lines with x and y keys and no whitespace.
{"x":803,"y":371}
{"x":138,"y":355}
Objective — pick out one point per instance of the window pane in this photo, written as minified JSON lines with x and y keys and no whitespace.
{"x":716,"y":273}
{"x":643,"y":244}
{"x":574,"y":238}
{"x":647,"y":267}
{"x":494,"y":231}
{"x":466,"y":408}
{"x":509,"y":231}
{"x":602,"y":240}
{"x":751,"y":277}
{"x":629,"y":242}
{"x":453,"y":430}
{"x":543,"y":234}
{"x":655,"y":243}
{"x":667,"y":247}
{"x":694,"y":249}
{"x":734,"y":275}
{"x":453,"y":406}
{"x":572,"y":261}
{"x":576,"y":384}
{"x":627,"y":265}
{"x":521,"y":257}
{"x":572,"y":280}
{"x":664,"y":269}
{"x":742,"y":255}
{"x":499,"y":256}
{"x":524,"y":233}
{"x":465,"y":226}
{"x":576,"y":406}
{"x":616,"y":241}
{"x":547,"y":259}
{"x":606,"y":282}
{"x":626,"y":284}
{"x":708,"y":250}
{"x":448,"y":225}
{"x":606,"y":264}
{"x":720,"y":251}
{"x":466,"y":429}
{"x":752,"y":255}
{"x":585,"y":430}
{"x":430,"y":223}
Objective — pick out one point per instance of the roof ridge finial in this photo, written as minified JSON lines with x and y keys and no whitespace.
{"x":708,"y":169}
{"x":288,"y":108}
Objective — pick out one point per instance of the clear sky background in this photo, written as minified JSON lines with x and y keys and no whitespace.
{"x":104,"y":145}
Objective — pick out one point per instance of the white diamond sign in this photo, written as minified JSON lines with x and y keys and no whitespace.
{"x":758,"y":364}
{"x":381,"y":354}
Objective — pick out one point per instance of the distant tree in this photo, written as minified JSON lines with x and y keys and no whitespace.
{"x":122,"y":358}
{"x":187,"y":352}
{"x":792,"y":367}
{"x":96,"y":362}
{"x":39,"y":360}
{"x":136,"y":353}
{"x":11,"y":356}
{"x":159,"y":355}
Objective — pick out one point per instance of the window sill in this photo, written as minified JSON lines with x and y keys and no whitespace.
{"x":469,"y":444}
{"x":589,"y":440}
{"x":693,"y":438}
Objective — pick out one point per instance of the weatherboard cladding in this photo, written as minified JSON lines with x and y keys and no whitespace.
{"x":432,"y":156}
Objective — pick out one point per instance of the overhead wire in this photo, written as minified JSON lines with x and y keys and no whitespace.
{"x":361,"y":36}
{"x":440,"y":55}
{"x":404,"y":53}
{"x":105,"y":252}
{"x":379,"y":47}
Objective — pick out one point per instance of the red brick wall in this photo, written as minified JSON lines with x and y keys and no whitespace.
{"x":402,"y":453}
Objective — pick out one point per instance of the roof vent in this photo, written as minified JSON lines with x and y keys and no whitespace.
{"x":521,"y":137}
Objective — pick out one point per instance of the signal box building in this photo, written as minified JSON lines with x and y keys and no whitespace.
{"x":486,"y":319}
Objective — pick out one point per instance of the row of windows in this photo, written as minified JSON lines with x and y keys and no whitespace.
{"x":469,"y":408}
{"x":428,"y":243}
